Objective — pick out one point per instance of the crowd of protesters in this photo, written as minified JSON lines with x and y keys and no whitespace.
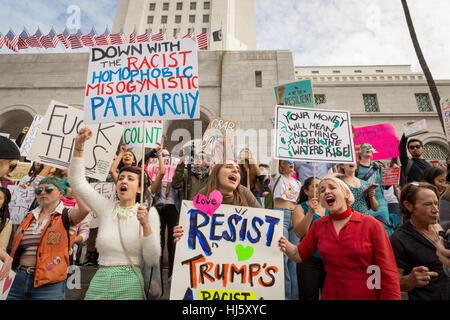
{"x":339,"y":220}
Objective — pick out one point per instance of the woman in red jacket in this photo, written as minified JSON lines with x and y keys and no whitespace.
{"x":355,"y":249}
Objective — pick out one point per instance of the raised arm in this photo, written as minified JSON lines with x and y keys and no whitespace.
{"x":162,"y":170}
{"x":115,"y":164}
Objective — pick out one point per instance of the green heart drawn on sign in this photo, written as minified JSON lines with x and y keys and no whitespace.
{"x":243,"y":253}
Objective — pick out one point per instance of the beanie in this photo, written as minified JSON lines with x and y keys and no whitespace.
{"x":8,"y":149}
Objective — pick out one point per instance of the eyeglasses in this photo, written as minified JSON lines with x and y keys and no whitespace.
{"x":12,"y":167}
{"x":415,"y":147}
{"x":47,"y":190}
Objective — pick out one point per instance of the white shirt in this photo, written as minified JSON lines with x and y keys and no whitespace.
{"x":286,"y":189}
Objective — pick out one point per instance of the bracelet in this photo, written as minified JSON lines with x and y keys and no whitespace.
{"x":80,"y":150}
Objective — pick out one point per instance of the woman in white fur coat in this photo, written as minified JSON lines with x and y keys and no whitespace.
{"x":126,"y":223}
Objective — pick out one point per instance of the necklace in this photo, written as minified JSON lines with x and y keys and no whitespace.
{"x":431,"y":236}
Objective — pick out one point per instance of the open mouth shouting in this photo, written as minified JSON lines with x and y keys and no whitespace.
{"x":233,"y":179}
{"x":123,"y":189}
{"x":330,"y":200}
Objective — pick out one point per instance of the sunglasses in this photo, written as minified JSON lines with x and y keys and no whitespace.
{"x":415,"y":147}
{"x":12,"y":167}
{"x":47,"y":190}
{"x":289,"y":161}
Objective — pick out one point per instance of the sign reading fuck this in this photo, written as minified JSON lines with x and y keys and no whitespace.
{"x":143,"y":81}
{"x":318,"y":135}
{"x":228,"y":252}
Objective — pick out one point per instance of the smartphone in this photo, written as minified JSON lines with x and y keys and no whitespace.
{"x":372,"y":186}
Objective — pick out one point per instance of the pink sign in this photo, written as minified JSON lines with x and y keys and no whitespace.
{"x":170,"y":164}
{"x":382,"y":137}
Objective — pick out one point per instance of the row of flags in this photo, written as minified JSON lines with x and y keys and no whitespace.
{"x":79,"y":40}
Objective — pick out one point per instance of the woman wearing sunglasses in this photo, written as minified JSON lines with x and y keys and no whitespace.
{"x":41,"y":245}
{"x":127,"y":235}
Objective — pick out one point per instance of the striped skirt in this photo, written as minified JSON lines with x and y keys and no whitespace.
{"x":115,"y":283}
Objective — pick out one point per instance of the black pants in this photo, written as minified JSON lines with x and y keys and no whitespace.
{"x":311,"y":277}
{"x":168,"y":215}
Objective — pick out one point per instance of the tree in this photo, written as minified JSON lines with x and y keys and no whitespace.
{"x":423,"y":63}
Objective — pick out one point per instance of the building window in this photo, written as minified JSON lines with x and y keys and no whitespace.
{"x":163,"y":19}
{"x":371,"y":103}
{"x":320,"y":98}
{"x":192,"y":18}
{"x":434,"y":151}
{"x":336,"y":71}
{"x":205,"y":18}
{"x":177,"y":19}
{"x":357,"y":71}
{"x":258,"y":79}
{"x":193,"y":5}
{"x":161,"y":30}
{"x":165,"y":6}
{"x":150,"y":19}
{"x":315,"y":72}
{"x":204,"y":30}
{"x":379,"y":71}
{"x":175,"y":32}
{"x":424,"y":102}
{"x":152,"y":6}
{"x":206,"y":5}
{"x":179,"y":5}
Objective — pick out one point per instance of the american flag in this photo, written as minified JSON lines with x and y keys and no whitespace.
{"x":146,"y":37}
{"x":103,"y":39}
{"x":190,"y":33}
{"x":118,"y":38}
{"x":2,"y":40}
{"x":22,"y":44}
{"x":50,"y":40}
{"x":133,"y":36}
{"x":202,"y":40}
{"x":11,"y":40}
{"x":177,"y":34}
{"x":75,"y":41}
{"x":63,"y":38}
{"x":33,"y":41}
{"x":160,"y":36}
{"x":89,"y":39}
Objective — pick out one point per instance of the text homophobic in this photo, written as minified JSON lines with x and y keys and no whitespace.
{"x":143,"y":81}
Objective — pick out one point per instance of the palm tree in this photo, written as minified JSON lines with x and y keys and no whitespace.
{"x":423,"y":63}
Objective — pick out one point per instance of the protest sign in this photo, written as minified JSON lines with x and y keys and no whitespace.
{"x":218,"y":132}
{"x":391,"y":177}
{"x":5,"y":284}
{"x":55,"y":141}
{"x":132,"y":135}
{"x":31,"y":134}
{"x":170,"y":165}
{"x":416,"y":128}
{"x":297,"y":94}
{"x":382,"y":137}
{"x":143,"y":81}
{"x":230,"y":254}
{"x":21,"y":200}
{"x":108,"y":191}
{"x":20,"y":171}
{"x":445,"y":108}
{"x":318,"y":135}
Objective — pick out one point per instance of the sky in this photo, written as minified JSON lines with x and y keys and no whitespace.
{"x":318,"y":32}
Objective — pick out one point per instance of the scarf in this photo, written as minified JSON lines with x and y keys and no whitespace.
{"x":200,"y":172}
{"x":126,"y":212}
{"x":342,"y":215}
{"x":228,"y":199}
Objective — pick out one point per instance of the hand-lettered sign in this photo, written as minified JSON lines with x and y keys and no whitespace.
{"x":21,"y":200}
{"x":143,"y":81}
{"x":219,"y":132}
{"x":108,"y":191}
{"x":170,"y":165}
{"x":55,"y":141}
{"x":305,"y":134}
{"x":297,"y":94}
{"x":445,"y":108}
{"x":391,"y":177}
{"x":232,"y":254}
{"x":382,"y":137}
{"x":5,"y":284}
{"x":416,"y":128}
{"x":31,"y":134}
{"x":132,"y":135}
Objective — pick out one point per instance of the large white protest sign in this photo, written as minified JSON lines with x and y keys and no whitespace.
{"x":55,"y":141}
{"x":132,"y":135}
{"x":143,"y":81}
{"x":31,"y":134}
{"x":305,"y":134}
{"x":21,"y":200}
{"x":228,"y":253}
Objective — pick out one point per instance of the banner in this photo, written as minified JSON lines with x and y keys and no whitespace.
{"x":445,"y":108}
{"x":132,"y":135}
{"x":391,"y":177}
{"x":31,"y":134}
{"x":21,"y":171}
{"x":218,"y":132}
{"x":143,"y":81}
{"x":55,"y":141}
{"x":297,"y":94}
{"x":305,"y":134}
{"x":170,"y":165}
{"x":21,"y":200}
{"x":228,"y":253}
{"x":382,"y":137}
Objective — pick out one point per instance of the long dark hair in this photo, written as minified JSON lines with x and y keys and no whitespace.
{"x":4,"y":210}
{"x":303,"y":196}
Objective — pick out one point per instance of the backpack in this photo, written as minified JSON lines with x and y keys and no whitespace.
{"x":404,"y":172}
{"x":268,"y":200}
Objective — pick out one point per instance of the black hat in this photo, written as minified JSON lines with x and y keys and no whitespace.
{"x":8,"y":149}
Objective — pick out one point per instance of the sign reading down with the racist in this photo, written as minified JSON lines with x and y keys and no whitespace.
{"x":305,"y":134}
{"x":143,"y":81}
{"x":228,"y":252}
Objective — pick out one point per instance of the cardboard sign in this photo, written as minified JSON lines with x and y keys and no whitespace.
{"x":31,"y":134}
{"x":219,"y":132}
{"x":304,"y":134}
{"x":391,"y":177}
{"x":21,"y":171}
{"x":232,"y":254}
{"x":55,"y":141}
{"x":445,"y":107}
{"x":21,"y":200}
{"x":382,"y":137}
{"x":108,"y":191}
{"x":132,"y":135}
{"x":297,"y":94}
{"x":416,"y":128}
{"x":143,"y":81}
{"x":170,"y":165}
{"x":5,"y":284}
